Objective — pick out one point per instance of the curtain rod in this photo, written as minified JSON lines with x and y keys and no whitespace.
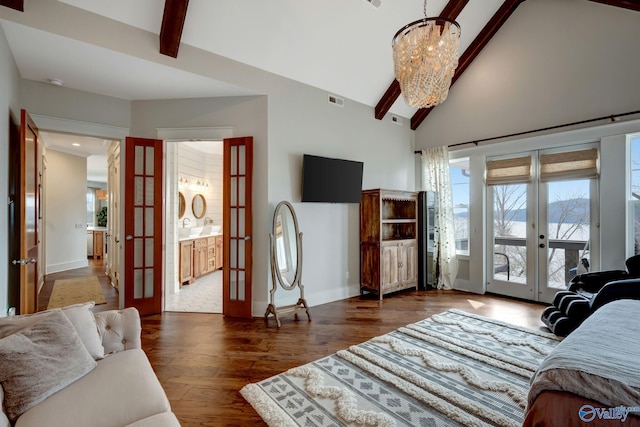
{"x":612,"y":117}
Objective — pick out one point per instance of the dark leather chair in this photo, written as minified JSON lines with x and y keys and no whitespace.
{"x":589,"y":291}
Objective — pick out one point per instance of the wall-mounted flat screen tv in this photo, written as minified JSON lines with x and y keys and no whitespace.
{"x":331,"y":180}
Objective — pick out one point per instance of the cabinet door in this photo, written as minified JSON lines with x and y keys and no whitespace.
{"x":98,"y":244}
{"x":186,"y":261}
{"x":200,"y":261}
{"x":408,"y":261}
{"x":389,"y":267}
{"x":218,"y":252}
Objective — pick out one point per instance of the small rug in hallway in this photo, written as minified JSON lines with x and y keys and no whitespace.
{"x":74,"y":291}
{"x":454,"y":368}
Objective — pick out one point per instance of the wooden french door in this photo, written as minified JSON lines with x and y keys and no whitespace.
{"x":24,"y":195}
{"x":237,"y":223}
{"x":143,"y":225}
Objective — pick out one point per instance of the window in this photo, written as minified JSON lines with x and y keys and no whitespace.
{"x":634,"y":192}
{"x":91,"y":206}
{"x":459,"y":169}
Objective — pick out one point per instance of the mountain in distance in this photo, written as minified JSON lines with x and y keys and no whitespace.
{"x":573,"y":211}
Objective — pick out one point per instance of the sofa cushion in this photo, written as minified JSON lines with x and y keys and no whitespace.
{"x":39,"y":360}
{"x":80,"y":317}
{"x":121,"y":390}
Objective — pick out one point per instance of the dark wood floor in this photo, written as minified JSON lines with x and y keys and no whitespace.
{"x":203,"y":360}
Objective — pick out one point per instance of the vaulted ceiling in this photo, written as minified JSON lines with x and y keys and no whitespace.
{"x":341,"y":46}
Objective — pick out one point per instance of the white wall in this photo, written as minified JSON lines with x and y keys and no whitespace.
{"x":196,"y":165}
{"x":301,"y":121}
{"x":552,"y":62}
{"x":612,"y":193}
{"x":9,"y":83}
{"x":66,"y":216}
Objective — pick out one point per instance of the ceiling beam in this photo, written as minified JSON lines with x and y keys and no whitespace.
{"x":175,"y":12}
{"x":627,"y":4}
{"x":481,"y":40}
{"x":450,"y":11}
{"x":13,"y":4}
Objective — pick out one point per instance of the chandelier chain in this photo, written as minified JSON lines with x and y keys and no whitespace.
{"x":425,"y":8}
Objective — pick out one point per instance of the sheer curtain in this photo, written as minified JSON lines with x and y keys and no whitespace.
{"x":436,"y":177}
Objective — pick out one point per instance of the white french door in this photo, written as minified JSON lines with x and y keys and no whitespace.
{"x":543,"y":231}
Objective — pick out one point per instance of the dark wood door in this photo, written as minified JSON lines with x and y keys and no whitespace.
{"x":24,"y":195}
{"x":237,"y":226}
{"x":143,"y":225}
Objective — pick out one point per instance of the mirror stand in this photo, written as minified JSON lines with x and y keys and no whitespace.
{"x":286,"y":253}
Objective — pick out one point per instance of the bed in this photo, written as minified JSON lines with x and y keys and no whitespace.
{"x":593,"y":376}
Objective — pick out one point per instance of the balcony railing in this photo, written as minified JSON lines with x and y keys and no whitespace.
{"x":570,"y":256}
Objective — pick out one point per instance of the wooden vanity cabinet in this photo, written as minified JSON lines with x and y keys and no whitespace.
{"x":388,"y":241}
{"x":98,"y":244}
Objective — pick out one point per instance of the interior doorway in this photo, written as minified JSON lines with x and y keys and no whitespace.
{"x":193,"y":255}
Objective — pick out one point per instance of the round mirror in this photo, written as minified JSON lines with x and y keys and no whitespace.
{"x":182,"y":205}
{"x":286,"y":251}
{"x":199,"y":206}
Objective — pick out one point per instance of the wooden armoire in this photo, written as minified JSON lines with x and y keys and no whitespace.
{"x":388,"y":241}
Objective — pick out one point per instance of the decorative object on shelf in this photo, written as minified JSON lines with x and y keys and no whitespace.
{"x":182,"y":205}
{"x":102,"y":217}
{"x":425,"y":57}
{"x":198,"y":206}
{"x":286,"y":261}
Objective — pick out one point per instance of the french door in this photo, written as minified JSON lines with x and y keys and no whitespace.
{"x":541,"y":222}
{"x":237,"y":222}
{"x":143,"y":225}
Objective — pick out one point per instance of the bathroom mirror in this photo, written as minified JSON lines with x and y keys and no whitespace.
{"x":286,"y":260}
{"x":198,"y":206}
{"x":182,"y":205}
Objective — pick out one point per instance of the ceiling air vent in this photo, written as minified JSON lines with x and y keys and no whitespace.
{"x":397,"y":120}
{"x":336,"y":101}
{"x":375,"y":3}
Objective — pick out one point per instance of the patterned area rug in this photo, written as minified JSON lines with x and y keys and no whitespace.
{"x":454,"y":368}
{"x":74,"y":291}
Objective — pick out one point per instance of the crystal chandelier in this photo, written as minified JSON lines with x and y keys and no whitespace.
{"x":425,"y":56}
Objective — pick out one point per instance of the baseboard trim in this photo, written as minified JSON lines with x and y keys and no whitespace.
{"x":56,"y":268}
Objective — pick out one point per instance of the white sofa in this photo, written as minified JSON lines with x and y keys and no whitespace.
{"x":116,"y":385}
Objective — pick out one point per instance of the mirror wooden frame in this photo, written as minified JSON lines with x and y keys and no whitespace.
{"x":182,"y":205}
{"x":276,"y":275}
{"x":194,"y":201}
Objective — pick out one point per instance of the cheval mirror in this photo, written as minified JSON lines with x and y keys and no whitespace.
{"x":286,"y":262}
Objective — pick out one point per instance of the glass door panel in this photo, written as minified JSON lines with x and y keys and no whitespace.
{"x":565,"y":220}
{"x":509,"y":261}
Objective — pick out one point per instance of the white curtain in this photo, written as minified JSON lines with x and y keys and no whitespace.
{"x":436,"y":177}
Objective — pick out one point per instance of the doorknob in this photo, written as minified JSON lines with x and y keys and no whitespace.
{"x":247,"y":238}
{"x":541,"y":245}
{"x":129,"y":237}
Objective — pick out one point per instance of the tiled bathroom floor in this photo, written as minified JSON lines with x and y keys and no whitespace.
{"x":202,"y":296}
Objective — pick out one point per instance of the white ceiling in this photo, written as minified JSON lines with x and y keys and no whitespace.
{"x":341,"y":46}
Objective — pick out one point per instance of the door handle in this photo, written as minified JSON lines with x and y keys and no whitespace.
{"x":23,"y":261}
{"x":247,"y":238}
{"x":129,"y":237}
{"x":541,"y":245}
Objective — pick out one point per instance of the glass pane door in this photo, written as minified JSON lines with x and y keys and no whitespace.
{"x":565,"y":220}
{"x":509,"y":260}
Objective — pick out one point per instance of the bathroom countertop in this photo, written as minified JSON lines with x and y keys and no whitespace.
{"x":200,"y":236}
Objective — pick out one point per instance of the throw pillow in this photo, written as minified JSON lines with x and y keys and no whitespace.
{"x":80,"y":316}
{"x":40,"y":360}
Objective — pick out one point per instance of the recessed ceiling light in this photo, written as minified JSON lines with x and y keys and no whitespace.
{"x":56,"y":82}
{"x":75,"y":144}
